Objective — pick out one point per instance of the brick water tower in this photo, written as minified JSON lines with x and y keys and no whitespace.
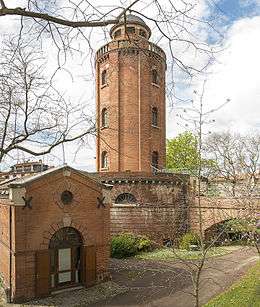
{"x":130,"y":98}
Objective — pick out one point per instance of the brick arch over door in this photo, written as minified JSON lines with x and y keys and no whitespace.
{"x":53,"y":228}
{"x":66,"y":237}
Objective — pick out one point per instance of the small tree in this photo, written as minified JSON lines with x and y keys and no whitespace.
{"x":236,"y":160}
{"x":236,"y":177}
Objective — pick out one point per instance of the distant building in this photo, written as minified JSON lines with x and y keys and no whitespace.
{"x":23,"y":169}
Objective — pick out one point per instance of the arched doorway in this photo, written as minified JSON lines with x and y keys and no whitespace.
{"x":227,"y":232}
{"x":66,"y":258}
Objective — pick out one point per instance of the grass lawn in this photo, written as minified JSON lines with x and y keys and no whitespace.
{"x":170,"y":254}
{"x":244,"y":293}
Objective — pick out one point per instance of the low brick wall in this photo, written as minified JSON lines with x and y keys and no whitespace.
{"x":158,"y":222}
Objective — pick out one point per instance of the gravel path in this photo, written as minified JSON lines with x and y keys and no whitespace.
{"x":76,"y":298}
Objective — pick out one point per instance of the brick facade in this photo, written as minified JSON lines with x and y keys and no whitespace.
{"x":33,"y":228}
{"x":129,"y":95}
{"x":130,"y":135}
{"x":5,"y":242}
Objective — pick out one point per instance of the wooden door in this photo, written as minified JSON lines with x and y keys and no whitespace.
{"x":42,"y":273}
{"x":90,"y":265}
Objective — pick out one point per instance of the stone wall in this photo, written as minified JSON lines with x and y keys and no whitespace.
{"x":160,"y":223}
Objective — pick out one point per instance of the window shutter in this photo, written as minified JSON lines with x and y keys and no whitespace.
{"x":42,"y":273}
{"x":90,"y":265}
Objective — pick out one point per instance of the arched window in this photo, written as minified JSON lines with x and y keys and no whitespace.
{"x":155,"y":159}
{"x":155,"y":117}
{"x":125,"y":198}
{"x":104,"y":77}
{"x":104,"y":160}
{"x":155,"y":77}
{"x":104,"y":118}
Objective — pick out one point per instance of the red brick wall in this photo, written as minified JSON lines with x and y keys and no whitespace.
{"x":35,"y":227}
{"x":219,"y":209}
{"x":161,"y":211}
{"x":5,"y":243}
{"x":129,"y":97}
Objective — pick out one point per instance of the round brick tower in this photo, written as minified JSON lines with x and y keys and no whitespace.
{"x":130,"y":98}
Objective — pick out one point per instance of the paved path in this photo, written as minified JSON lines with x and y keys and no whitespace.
{"x":153,"y":283}
{"x":169,"y":284}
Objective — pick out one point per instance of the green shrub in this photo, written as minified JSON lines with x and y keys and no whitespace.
{"x":127,"y":245}
{"x":189,"y":239}
{"x":143,"y":243}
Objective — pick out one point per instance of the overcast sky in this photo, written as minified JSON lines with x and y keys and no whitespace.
{"x":234,"y":75}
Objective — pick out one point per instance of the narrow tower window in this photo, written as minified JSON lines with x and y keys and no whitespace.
{"x":104,"y":118}
{"x":130,"y":30}
{"x":155,"y":159}
{"x":104,"y":77}
{"x":155,"y":77}
{"x":142,"y":33}
{"x":104,"y":160}
{"x":154,"y":117}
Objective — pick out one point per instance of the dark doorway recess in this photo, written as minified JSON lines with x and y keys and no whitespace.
{"x":66,"y":258}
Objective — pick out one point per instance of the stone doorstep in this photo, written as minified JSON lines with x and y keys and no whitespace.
{"x":67,"y":290}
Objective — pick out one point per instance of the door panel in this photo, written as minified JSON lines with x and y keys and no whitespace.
{"x":90,"y":265}
{"x":64,"y":259}
{"x":42,"y":273}
{"x":64,"y":277}
{"x":64,"y":265}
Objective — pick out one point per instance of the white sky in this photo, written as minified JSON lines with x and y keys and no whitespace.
{"x":235,"y":75}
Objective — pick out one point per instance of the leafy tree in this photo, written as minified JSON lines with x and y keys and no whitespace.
{"x":183,"y":155}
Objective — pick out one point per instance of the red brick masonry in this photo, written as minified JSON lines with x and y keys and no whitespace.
{"x":33,"y":228}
